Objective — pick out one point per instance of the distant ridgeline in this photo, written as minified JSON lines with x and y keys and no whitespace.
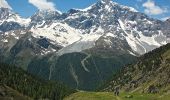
{"x":149,"y":75}
{"x":31,"y":86}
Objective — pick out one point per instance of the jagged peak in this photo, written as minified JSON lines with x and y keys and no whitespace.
{"x":103,"y":2}
{"x":45,"y":14}
{"x":109,"y":4}
{"x":74,"y":10}
{"x":2,"y":9}
{"x":5,"y":12}
{"x":106,"y":1}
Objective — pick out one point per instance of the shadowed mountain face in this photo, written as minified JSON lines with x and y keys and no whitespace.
{"x":82,"y":45}
{"x":79,"y":70}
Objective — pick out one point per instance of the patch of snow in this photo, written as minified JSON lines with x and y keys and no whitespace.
{"x":87,"y":41}
{"x":110,"y":34}
{"x":108,"y":42}
{"x":4,"y":40}
{"x":132,"y":53}
{"x":58,"y":33}
{"x":142,"y":44}
{"x":107,"y":7}
{"x":17,"y":38}
{"x":130,"y":8}
{"x":132,"y":44}
{"x":132,"y":22}
{"x":18,"y":19}
{"x":122,"y":25}
{"x":72,"y":17}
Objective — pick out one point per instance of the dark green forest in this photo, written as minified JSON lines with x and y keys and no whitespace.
{"x":32,"y":86}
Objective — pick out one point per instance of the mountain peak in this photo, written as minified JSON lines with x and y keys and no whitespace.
{"x":46,"y":12}
{"x":105,"y":1}
{"x":44,"y":15}
{"x":4,"y":13}
{"x":108,"y":2}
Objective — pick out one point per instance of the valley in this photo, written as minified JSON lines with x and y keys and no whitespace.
{"x":136,"y":87}
{"x":84,"y":54}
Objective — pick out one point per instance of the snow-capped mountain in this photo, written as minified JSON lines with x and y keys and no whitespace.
{"x":42,"y":16}
{"x":105,"y":35}
{"x":142,"y":33}
{"x":79,"y":29}
{"x":11,"y":21}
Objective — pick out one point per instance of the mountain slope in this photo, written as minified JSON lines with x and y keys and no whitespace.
{"x":18,"y":81}
{"x":6,"y":93}
{"x":83,"y":95}
{"x":78,"y":70}
{"x":149,"y":75}
{"x":11,"y":21}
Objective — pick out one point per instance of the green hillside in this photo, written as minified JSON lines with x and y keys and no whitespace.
{"x":110,"y":96}
{"x":7,"y":93}
{"x":26,"y":84}
{"x":149,"y":75}
{"x":148,"y":79}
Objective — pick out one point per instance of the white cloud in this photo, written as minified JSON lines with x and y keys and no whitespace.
{"x":43,"y":4}
{"x":4,"y":4}
{"x":152,"y":9}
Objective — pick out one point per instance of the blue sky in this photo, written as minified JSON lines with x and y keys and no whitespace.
{"x":155,"y":8}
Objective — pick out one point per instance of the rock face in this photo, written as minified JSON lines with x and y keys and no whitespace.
{"x":4,"y":13}
{"x":105,"y":31}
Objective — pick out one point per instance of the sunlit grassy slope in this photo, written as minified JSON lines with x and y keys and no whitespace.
{"x":110,"y":96}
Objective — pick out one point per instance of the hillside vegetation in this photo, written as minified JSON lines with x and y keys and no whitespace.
{"x":149,"y":75}
{"x":7,"y":93}
{"x":110,"y":96}
{"x":148,"y":79}
{"x":79,"y":70}
{"x":26,"y":84}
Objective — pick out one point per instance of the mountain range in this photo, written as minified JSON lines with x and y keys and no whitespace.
{"x":82,"y":47}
